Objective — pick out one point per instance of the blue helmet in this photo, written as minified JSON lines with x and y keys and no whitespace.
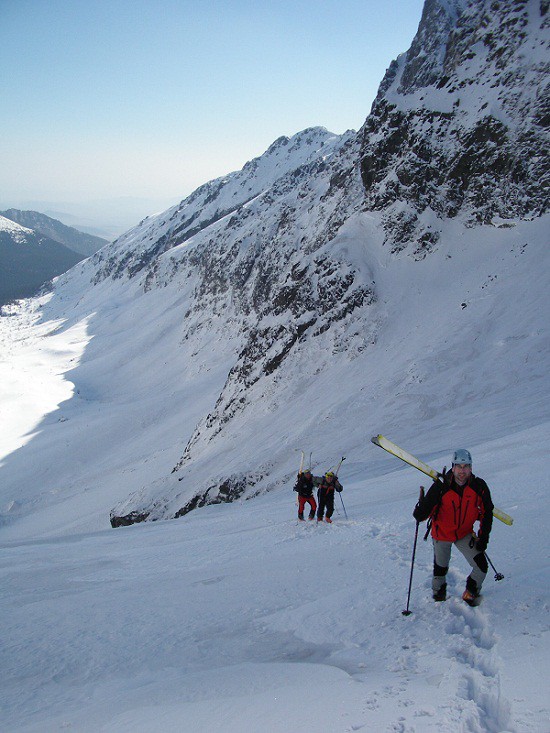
{"x":461,"y":455}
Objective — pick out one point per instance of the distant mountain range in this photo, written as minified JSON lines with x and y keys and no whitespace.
{"x":35,"y":248}
{"x":107,"y":218}
{"x":85,"y":244}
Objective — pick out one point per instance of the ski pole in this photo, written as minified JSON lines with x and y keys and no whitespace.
{"x":343,"y":507}
{"x":336,"y":475}
{"x":300,"y":473}
{"x":406,"y":612}
{"x":498,"y":576}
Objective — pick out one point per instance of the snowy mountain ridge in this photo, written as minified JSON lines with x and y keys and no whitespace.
{"x":85,"y":244}
{"x":212,"y":202}
{"x":28,"y":260}
{"x":17,"y":230}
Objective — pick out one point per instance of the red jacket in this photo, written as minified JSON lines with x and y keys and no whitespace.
{"x":454,"y":509}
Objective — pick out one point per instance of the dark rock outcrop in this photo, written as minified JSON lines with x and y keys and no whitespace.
{"x":460,"y":126}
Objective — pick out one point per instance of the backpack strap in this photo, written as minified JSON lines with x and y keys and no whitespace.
{"x":428,"y":529}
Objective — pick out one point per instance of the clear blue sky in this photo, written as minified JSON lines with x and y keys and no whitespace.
{"x":107,"y":98}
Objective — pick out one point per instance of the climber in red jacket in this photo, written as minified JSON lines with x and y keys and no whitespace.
{"x":453,"y":506}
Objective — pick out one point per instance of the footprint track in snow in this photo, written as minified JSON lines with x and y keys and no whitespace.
{"x":477,"y":704}
{"x":473,"y":653}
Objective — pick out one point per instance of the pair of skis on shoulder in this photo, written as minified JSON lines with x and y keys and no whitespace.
{"x":398,"y":452}
{"x":334,"y":469}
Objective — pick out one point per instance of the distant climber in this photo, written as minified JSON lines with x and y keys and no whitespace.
{"x":325,"y":496}
{"x":304,"y":486}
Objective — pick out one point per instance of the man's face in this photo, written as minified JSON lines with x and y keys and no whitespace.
{"x":462,"y":473}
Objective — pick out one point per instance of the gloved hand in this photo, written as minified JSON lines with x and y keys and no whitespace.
{"x":417,"y":514}
{"x":481,"y":544}
{"x":446,"y":477}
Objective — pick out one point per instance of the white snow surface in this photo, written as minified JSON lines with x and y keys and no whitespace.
{"x":235,"y":617}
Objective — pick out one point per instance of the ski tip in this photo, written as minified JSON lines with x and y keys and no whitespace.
{"x":505,"y":518}
{"x":376,"y":439}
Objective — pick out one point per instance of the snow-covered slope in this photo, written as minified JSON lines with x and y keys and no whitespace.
{"x":238,"y":618}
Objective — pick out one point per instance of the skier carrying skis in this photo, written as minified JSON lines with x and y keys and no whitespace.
{"x":453,"y":507}
{"x":325,"y":496}
{"x":304,"y":487}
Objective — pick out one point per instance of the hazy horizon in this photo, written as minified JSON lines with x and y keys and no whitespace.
{"x":107,"y":218}
{"x":149,"y":101}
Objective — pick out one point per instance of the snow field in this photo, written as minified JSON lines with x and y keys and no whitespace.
{"x":238,"y":617}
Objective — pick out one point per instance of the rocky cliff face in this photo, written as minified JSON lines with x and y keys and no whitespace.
{"x":460,"y":125}
{"x":263,"y":271}
{"x":271,"y":259}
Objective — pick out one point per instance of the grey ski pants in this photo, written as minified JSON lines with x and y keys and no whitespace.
{"x":442,"y":556}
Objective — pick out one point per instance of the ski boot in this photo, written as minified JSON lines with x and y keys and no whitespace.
{"x":472,"y":599}
{"x":471,"y":594}
{"x":441,"y":594}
